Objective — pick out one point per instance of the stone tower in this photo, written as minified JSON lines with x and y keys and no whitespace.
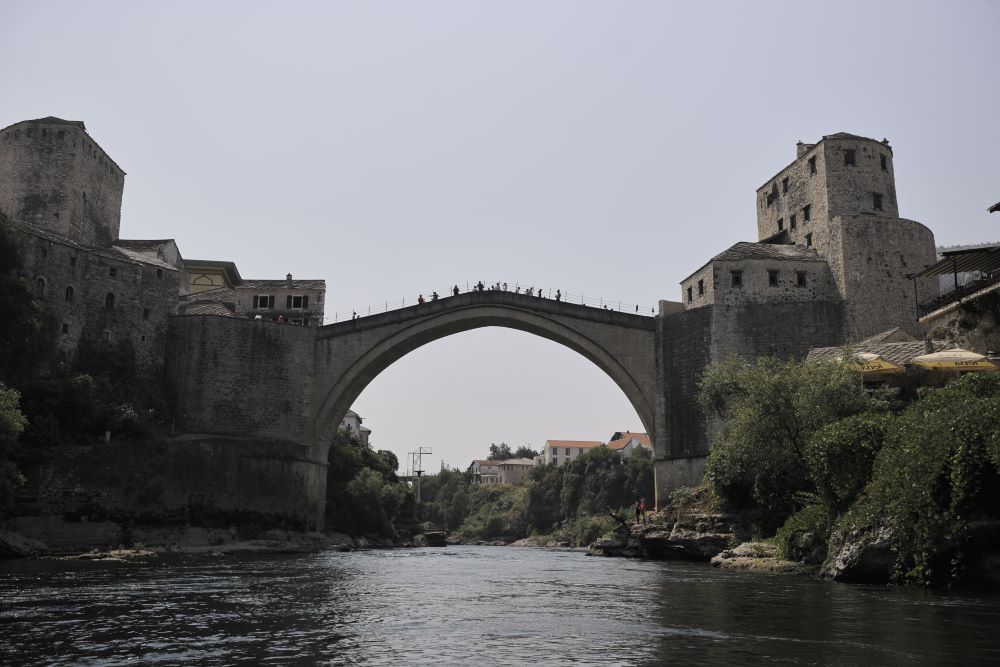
{"x":839,"y":197}
{"x":54,"y":176}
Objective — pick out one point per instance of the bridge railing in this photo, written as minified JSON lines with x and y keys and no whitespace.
{"x":518,"y":288}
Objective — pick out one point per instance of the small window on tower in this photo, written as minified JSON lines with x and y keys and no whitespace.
{"x":800,"y":278}
{"x":145,"y":313}
{"x":737,"y":278}
{"x":849,"y":157}
{"x":772,"y":278}
{"x":159,"y":273}
{"x":781,"y":224}
{"x":807,"y":213}
{"x":812,"y":166}
{"x":113,"y":272}
{"x":784,"y":185}
{"x":690,"y":294}
{"x":791,"y":222}
{"x":701,"y":288}
{"x":885,"y":163}
{"x":877,"y":201}
{"x":809,"y":240}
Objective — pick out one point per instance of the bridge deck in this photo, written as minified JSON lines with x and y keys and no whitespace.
{"x":492,"y":298}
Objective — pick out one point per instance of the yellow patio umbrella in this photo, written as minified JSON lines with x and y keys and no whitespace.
{"x":873,"y":364}
{"x":955,"y":359}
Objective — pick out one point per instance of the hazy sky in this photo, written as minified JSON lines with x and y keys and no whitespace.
{"x":608,"y":148}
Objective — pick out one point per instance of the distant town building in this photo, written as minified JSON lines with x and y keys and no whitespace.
{"x":561,"y":452}
{"x":515,"y":472}
{"x":626,"y":442}
{"x":352,"y":424}
{"x":485,"y":471}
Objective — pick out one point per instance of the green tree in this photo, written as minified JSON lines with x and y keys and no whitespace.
{"x":500,"y":452}
{"x":12,"y":422}
{"x":937,"y":474}
{"x":769,"y":409}
{"x":524,"y":452}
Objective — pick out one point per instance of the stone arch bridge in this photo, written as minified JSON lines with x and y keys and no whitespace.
{"x":258,"y":402}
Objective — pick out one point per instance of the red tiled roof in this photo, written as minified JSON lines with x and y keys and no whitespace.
{"x":628,"y":437}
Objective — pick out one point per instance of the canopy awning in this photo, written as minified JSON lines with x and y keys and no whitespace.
{"x":955,"y":359}
{"x":872,"y":364}
{"x":985,"y":259}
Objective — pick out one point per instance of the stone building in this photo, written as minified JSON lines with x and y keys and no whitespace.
{"x":55,"y":176}
{"x":833,"y":263}
{"x":839,"y":197}
{"x":63,"y":194}
{"x":217,"y":289}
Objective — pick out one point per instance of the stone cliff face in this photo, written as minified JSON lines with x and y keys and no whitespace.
{"x":693,"y":535}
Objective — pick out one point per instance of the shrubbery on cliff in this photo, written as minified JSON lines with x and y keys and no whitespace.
{"x":770,"y":410}
{"x":808,"y":444}
{"x":936,"y":479}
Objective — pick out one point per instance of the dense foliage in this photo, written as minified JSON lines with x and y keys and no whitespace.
{"x":770,"y":409}
{"x":363,"y":494}
{"x":12,"y":422}
{"x":571,"y":502}
{"x":805,"y":442}
{"x":502,"y":452}
{"x":936,"y":476}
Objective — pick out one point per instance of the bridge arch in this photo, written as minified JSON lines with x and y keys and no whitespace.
{"x":350,"y":355}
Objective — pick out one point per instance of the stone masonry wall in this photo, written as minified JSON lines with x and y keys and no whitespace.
{"x":245,"y":378}
{"x":74,"y":284}
{"x":756,"y":287}
{"x":96,"y":496}
{"x":52,"y":174}
{"x":803,"y":189}
{"x":878,"y":255}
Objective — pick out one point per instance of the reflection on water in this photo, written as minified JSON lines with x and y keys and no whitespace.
{"x":471,"y":605}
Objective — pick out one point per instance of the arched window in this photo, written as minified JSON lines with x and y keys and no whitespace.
{"x":69,"y":293}
{"x":40,"y":287}
{"x":109,"y":300}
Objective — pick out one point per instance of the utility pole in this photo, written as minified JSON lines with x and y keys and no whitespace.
{"x":417,"y":468}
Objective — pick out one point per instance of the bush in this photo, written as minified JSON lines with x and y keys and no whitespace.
{"x":938,"y":470}
{"x":803,"y":537}
{"x":840,"y":457}
{"x":769,"y":409}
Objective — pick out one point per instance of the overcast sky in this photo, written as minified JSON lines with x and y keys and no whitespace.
{"x":608,"y":148}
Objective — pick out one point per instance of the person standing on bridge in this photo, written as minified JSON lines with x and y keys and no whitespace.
{"x":558,"y":295}
{"x":434,"y":296}
{"x":479,"y":286}
{"x":455,"y":291}
{"x":420,"y":299}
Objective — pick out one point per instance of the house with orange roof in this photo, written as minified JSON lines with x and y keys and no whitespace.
{"x":626,"y":442}
{"x":561,"y":452}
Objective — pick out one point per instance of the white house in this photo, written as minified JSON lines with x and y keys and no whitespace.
{"x":352,"y":422}
{"x":561,"y":452}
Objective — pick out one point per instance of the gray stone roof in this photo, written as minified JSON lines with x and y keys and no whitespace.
{"x":206,"y":308}
{"x":746,"y":250}
{"x":898,"y":353}
{"x":895,"y":332}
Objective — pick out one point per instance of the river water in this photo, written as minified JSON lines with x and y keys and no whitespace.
{"x":469,"y":605}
